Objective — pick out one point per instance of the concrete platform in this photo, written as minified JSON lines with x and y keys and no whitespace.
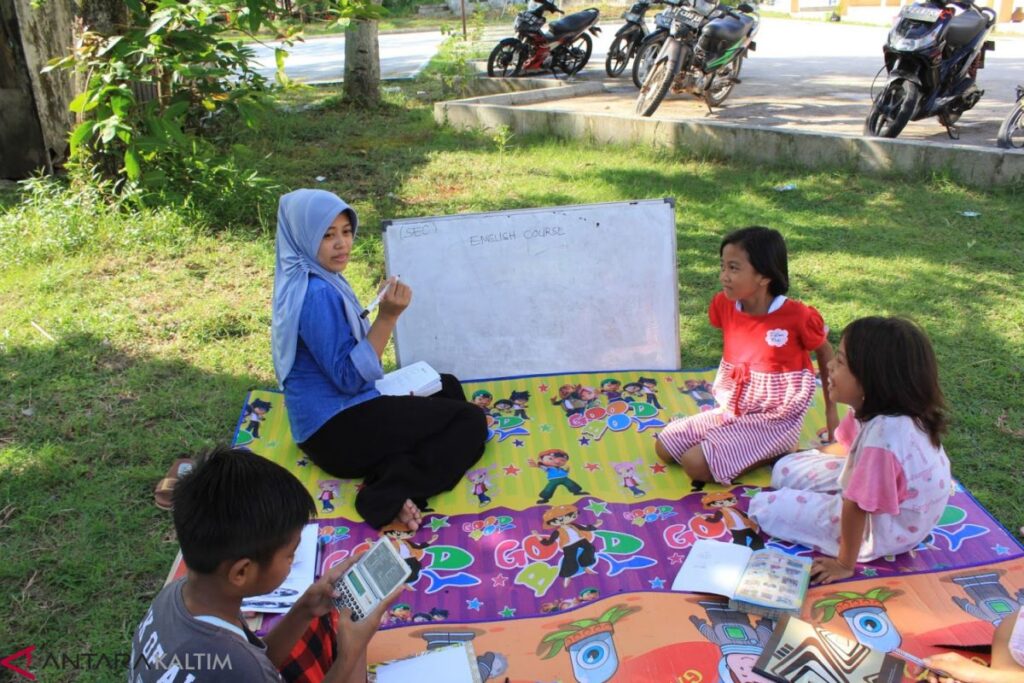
{"x":804,"y":97}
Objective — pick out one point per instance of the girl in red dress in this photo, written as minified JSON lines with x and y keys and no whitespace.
{"x":765,"y":381}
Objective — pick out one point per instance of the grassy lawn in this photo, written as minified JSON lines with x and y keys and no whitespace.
{"x":129,"y":340}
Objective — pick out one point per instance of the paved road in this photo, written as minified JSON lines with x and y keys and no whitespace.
{"x":320,"y":60}
{"x":813,"y":76}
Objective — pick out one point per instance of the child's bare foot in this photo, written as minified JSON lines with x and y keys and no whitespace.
{"x":410,"y":515}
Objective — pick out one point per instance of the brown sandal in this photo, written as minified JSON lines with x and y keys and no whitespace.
{"x":163,"y":495}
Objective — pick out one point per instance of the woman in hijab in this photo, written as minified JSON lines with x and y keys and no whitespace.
{"x":327,"y":358}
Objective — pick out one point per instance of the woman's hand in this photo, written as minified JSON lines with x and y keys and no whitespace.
{"x":829,"y":569}
{"x":396,"y":299}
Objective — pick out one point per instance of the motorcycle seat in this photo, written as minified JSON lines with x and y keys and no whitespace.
{"x":963,"y":28}
{"x":574,"y":23}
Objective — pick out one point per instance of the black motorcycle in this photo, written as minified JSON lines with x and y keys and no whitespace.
{"x":565,"y":47}
{"x":932,"y":55}
{"x":628,"y":38}
{"x":702,"y":55}
{"x":651,"y":46}
{"x":1011,"y":133}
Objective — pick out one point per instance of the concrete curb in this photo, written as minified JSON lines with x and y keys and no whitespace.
{"x":975,"y":166}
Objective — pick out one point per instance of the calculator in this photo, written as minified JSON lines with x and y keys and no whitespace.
{"x":375,"y":574}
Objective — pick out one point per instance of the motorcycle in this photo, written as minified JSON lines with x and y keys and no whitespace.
{"x":564,"y":47}
{"x":932,"y":56}
{"x":651,"y":46}
{"x":702,"y":54}
{"x":628,"y":38}
{"x":1011,"y":133}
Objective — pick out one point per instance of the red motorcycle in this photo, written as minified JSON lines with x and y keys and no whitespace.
{"x":564,"y":47}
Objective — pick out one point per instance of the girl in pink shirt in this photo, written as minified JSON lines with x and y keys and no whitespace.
{"x":889,"y":492}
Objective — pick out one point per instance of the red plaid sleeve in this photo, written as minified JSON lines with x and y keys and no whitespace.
{"x":314,"y":653}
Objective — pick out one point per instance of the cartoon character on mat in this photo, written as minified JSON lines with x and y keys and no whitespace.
{"x":649,"y":386}
{"x":632,"y":392}
{"x":399,"y":535}
{"x":589,"y":397}
{"x":740,"y":642}
{"x":480,"y":483}
{"x":503,"y":408}
{"x":627,"y":473}
{"x":589,"y":594}
{"x":989,"y":600}
{"x":724,"y":505}
{"x":329,"y":490}
{"x":482,"y":399}
{"x":569,"y":399}
{"x":520,"y":402}
{"x":435,"y":614}
{"x":574,"y":540}
{"x":590,"y":644}
{"x":254,"y":412}
{"x":555,"y":463}
{"x":866,"y":616}
{"x":612,"y":389}
{"x":400,"y":613}
{"x":700,"y":391}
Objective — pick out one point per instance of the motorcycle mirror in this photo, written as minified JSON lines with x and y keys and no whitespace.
{"x":745,"y":7}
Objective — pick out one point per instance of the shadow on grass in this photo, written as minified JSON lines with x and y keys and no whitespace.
{"x":86,"y":431}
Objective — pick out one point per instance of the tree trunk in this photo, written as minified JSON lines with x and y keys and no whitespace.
{"x":362,"y":63}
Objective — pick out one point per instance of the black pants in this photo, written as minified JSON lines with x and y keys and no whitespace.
{"x":404,"y":447}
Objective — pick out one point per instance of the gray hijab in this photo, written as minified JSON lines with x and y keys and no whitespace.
{"x":303,"y":217}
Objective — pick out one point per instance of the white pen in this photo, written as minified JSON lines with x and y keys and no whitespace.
{"x":377,"y":299}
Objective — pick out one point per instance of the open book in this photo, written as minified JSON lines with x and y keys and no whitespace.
{"x":799,"y":652}
{"x":418,"y":379}
{"x":765,"y":582}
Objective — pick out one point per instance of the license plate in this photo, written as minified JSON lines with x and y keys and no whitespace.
{"x":690,"y":18}
{"x":920,"y":13}
{"x":629,"y":16}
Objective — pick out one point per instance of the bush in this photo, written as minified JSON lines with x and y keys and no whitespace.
{"x":160,"y":99}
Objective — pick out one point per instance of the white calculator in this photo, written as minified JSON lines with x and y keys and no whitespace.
{"x":375,"y":574}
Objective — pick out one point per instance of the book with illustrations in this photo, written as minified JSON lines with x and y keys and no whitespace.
{"x":417,"y":379}
{"x":765,"y":581}
{"x":799,"y":652}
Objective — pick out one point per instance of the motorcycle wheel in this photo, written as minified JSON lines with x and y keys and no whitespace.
{"x":645,"y":56}
{"x":658,"y":81}
{"x":891,"y":112}
{"x":1011,"y":133}
{"x":573,"y":56}
{"x":618,"y":56}
{"x":506,"y":58}
{"x":723,"y":83}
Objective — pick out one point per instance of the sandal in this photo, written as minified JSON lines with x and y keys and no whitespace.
{"x":163,"y":494}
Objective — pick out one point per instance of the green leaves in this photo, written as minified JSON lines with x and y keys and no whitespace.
{"x":159,"y":96}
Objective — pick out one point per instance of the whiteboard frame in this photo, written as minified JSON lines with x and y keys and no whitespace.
{"x":673,"y":239}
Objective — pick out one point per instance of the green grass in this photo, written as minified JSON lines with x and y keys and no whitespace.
{"x":160,"y":324}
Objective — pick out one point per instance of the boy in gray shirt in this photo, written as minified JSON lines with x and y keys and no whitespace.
{"x":238,"y":518}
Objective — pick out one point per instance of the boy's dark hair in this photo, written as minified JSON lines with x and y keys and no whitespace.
{"x":893,"y":360}
{"x":236,"y":504}
{"x":766,"y":251}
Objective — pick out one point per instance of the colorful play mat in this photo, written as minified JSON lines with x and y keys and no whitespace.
{"x":556,"y":553}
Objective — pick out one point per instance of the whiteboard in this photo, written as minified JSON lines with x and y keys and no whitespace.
{"x":539,"y":291}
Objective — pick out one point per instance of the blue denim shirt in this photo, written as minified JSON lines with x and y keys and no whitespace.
{"x":331,"y":371}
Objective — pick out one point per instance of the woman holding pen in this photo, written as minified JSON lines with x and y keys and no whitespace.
{"x":327,"y":358}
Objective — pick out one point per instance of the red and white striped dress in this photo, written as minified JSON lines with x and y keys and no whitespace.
{"x":764,"y":386}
